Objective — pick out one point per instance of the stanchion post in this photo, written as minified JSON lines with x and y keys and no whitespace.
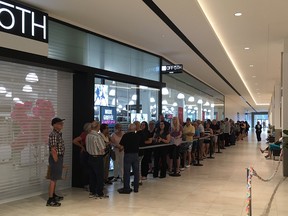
{"x":211,"y":148}
{"x":218,"y":144}
{"x":198,"y":152}
{"x":249,"y":194}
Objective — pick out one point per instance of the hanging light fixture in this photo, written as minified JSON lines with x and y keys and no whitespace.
{"x":8,"y":94}
{"x":174,"y":104}
{"x":27,"y":88}
{"x":200,"y":101}
{"x":134,"y":97}
{"x":212,"y":105}
{"x":112,"y":92}
{"x":191,"y":99}
{"x":32,"y":77}
{"x":180,"y":96}
{"x":3,"y":90}
{"x":206,"y":103}
{"x":164,"y":102}
{"x":165,"y":91}
{"x":152,"y":100}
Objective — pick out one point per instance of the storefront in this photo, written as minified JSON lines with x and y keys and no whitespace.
{"x":80,"y":76}
{"x":187,"y":97}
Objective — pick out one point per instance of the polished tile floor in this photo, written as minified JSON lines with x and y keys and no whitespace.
{"x":217,"y":188}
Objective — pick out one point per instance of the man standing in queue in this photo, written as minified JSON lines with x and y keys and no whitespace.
{"x":95,"y":147}
{"x":56,"y":149}
{"x":130,"y":142}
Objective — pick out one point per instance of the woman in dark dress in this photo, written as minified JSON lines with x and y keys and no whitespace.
{"x":161,"y":136}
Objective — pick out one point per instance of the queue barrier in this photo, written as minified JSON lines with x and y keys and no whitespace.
{"x":250,"y":173}
{"x":184,"y":142}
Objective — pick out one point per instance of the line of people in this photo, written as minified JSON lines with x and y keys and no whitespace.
{"x":97,"y":146}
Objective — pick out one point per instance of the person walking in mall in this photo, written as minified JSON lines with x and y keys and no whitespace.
{"x":56,"y":149}
{"x":95,"y":147}
{"x":258,"y":130}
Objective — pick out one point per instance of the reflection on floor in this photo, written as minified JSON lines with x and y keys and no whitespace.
{"x":217,"y":188}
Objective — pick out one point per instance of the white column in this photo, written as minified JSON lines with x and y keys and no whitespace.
{"x":284,"y":82}
{"x":277,"y":106}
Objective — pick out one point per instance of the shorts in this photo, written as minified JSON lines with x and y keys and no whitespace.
{"x":273,"y":147}
{"x":189,"y":146}
{"x":56,"y":168}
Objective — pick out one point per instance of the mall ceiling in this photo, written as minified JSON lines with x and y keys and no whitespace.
{"x":203,"y":35}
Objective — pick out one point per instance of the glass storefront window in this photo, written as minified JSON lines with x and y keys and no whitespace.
{"x":186,"y":97}
{"x":124,"y":99}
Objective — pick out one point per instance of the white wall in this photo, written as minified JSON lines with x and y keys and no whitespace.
{"x":232,"y":107}
{"x":23,"y":44}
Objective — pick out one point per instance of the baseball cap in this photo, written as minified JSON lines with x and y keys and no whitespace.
{"x":56,"y":120}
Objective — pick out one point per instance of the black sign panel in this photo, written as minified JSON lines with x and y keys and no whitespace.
{"x":24,"y":21}
{"x":133,"y":107}
{"x":177,"y":68}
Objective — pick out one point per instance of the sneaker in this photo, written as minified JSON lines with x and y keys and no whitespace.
{"x":58,"y":198}
{"x":124,"y":191}
{"x":187,"y":166}
{"x":108,"y":182}
{"x":104,"y":196}
{"x":182,"y":169}
{"x":53,"y":203}
{"x":92,"y":195}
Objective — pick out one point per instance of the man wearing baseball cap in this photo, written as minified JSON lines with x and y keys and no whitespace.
{"x":56,"y":149}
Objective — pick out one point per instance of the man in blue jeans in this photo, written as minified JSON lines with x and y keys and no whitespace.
{"x":130,"y":142}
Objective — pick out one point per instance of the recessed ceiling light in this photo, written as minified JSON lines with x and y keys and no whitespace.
{"x":238,"y":14}
{"x":251,"y":65}
{"x":254,"y":76}
{"x":247,"y":48}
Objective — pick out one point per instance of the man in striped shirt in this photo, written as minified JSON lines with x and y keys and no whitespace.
{"x":95,"y":147}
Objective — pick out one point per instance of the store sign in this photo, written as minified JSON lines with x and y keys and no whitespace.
{"x":177,"y":68}
{"x":24,"y":21}
{"x":133,"y":107}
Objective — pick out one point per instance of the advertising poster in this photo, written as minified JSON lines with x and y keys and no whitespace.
{"x":108,"y":115}
{"x":101,"y":95}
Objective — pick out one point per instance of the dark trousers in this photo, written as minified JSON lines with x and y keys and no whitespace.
{"x":258,"y":134}
{"x":96,"y":174}
{"x":131,"y":160}
{"x":227,"y":139}
{"x":160,"y":153}
{"x":145,"y":162}
{"x":84,"y":168}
